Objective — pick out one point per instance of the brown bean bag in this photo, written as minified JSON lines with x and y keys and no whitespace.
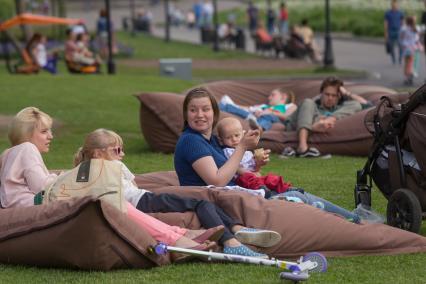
{"x":161,"y":116}
{"x":303,"y":228}
{"x":78,"y":233}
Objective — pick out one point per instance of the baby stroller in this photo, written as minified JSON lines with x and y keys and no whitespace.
{"x":397,"y":160}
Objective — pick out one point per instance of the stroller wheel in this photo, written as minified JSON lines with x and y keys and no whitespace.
{"x":404,"y":211}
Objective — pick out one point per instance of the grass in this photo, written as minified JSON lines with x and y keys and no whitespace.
{"x":146,"y":47}
{"x":149,"y":48}
{"x":82,"y":104}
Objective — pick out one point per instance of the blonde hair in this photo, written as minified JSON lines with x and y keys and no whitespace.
{"x":226,"y":121}
{"x":98,"y":139}
{"x":25,"y":122}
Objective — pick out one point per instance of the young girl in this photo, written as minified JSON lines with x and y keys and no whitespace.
{"x":106,"y":144}
{"x":230,"y":132}
{"x":23,"y":174}
{"x":279,"y":107}
{"x":37,"y":48}
{"x":409,"y":40}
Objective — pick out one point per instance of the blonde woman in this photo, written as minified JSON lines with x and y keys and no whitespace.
{"x":23,"y":174}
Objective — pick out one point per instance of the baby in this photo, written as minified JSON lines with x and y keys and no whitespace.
{"x":230,"y":132}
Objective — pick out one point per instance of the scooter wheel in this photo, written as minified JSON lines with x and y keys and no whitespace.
{"x":319,"y":259}
{"x":160,"y":249}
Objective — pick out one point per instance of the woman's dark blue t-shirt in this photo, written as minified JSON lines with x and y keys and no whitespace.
{"x":190,"y":147}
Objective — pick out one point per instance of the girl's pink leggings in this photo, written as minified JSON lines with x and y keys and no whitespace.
{"x":160,"y":231}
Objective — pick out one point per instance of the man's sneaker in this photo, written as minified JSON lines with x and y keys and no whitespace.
{"x":226,"y":100}
{"x":311,"y":152}
{"x":287,"y":153}
{"x":256,"y":237}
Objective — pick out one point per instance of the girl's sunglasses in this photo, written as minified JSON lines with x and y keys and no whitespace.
{"x":117,"y":150}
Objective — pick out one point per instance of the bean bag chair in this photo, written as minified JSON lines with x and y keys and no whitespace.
{"x":90,"y":234}
{"x":79,"y":233}
{"x":161,"y":116}
{"x":303,"y":228}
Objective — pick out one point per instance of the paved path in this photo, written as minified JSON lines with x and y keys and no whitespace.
{"x":348,"y":53}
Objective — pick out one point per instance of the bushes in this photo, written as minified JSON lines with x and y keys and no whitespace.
{"x":360,"y":20}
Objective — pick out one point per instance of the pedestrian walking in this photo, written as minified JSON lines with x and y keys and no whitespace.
{"x":393,"y":22}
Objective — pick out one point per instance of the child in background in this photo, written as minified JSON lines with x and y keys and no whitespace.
{"x":230,"y":132}
{"x":37,"y":49}
{"x":279,"y":107}
{"x":108,"y":145}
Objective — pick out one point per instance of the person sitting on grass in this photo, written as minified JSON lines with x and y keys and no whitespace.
{"x":230,"y":132}
{"x":108,"y":145}
{"x":23,"y":175}
{"x":321,"y":113}
{"x":36,"y":47}
{"x":279,"y":107}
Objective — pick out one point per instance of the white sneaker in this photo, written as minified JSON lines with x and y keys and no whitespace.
{"x":226,"y":100}
{"x":258,"y":237}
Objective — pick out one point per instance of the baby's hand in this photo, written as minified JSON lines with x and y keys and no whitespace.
{"x":261,"y":156}
{"x":250,"y":139}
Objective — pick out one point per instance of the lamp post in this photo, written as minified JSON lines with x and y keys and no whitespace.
{"x":167,"y":18}
{"x":132,"y":17}
{"x":110,"y":63}
{"x":328,"y":48}
{"x":216,"y":26}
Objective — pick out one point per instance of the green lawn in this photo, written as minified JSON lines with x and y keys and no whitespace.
{"x":82,"y":104}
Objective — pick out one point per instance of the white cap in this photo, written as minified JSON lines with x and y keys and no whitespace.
{"x":78,"y":29}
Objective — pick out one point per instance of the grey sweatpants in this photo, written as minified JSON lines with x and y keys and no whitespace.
{"x":308,"y":113}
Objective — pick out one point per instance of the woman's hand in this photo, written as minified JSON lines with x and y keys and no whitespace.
{"x":250,"y":139}
{"x":261,"y":157}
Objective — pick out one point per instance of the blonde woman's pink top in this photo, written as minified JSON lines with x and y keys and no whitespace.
{"x":22,"y":175}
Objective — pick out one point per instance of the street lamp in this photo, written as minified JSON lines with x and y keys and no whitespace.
{"x":328,"y":48}
{"x":132,"y":17}
{"x":110,"y":63}
{"x":167,"y":17}
{"x":216,"y":26}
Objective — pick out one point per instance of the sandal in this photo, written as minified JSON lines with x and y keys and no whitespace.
{"x":179,"y":257}
{"x":212,"y":234}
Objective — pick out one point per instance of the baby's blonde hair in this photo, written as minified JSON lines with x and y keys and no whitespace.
{"x":226,"y":121}
{"x":98,"y":139}
{"x":25,"y":122}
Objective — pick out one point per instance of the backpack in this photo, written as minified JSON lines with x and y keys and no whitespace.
{"x":99,"y":178}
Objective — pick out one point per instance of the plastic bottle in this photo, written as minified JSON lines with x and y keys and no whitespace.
{"x":318,"y":204}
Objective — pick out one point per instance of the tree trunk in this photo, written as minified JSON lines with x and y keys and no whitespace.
{"x":19,"y":7}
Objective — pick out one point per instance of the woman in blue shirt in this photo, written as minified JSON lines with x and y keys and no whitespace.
{"x":199,"y":159}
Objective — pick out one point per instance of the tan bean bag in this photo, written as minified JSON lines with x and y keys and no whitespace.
{"x":79,"y":233}
{"x":303,"y":228}
{"x":93,"y":235}
{"x":161,"y":116}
